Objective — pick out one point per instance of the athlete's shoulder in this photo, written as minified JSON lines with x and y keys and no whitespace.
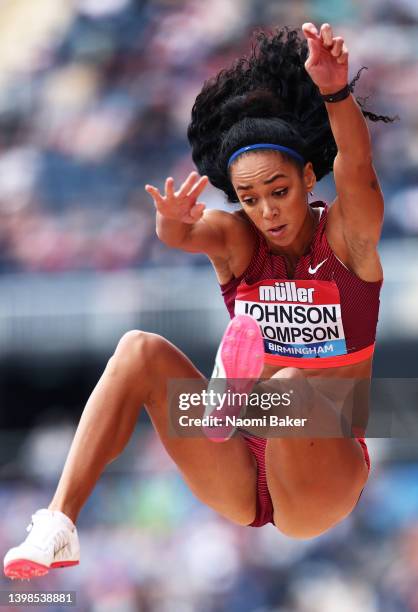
{"x":241,"y":220}
{"x":234,"y":223}
{"x":219,"y":217}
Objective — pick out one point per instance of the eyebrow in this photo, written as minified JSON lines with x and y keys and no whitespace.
{"x":267,"y":182}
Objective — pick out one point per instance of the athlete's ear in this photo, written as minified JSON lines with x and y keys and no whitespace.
{"x":309,"y":177}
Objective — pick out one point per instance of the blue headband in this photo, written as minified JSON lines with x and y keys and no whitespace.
{"x":290,"y":152}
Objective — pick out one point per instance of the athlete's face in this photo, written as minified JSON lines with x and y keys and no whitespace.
{"x":274,"y":194}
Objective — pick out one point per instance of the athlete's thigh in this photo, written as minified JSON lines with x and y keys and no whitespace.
{"x":222,"y":475}
{"x":315,"y":482}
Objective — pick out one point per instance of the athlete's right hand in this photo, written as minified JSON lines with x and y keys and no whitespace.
{"x":181,"y":205}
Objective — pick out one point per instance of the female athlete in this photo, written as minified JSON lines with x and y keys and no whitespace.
{"x":263,"y":132}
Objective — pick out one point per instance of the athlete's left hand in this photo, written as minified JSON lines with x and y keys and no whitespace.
{"x":327,"y":63}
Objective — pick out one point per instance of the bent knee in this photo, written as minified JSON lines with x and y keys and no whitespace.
{"x":302,"y":526}
{"x":315,"y":513}
{"x":137,"y":343}
{"x":136,"y":349}
{"x":301,"y":532}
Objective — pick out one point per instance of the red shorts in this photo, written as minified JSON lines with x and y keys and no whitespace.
{"x":257,"y":446}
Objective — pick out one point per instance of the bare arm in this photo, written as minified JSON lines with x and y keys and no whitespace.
{"x":360,"y":199}
{"x":358,"y":210}
{"x":182,"y":222}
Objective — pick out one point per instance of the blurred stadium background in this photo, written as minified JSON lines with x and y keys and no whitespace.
{"x":95,"y":97}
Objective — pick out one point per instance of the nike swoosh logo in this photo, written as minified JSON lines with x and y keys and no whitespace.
{"x":313,"y":270}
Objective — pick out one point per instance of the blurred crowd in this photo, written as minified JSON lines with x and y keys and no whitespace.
{"x":148,"y":545}
{"x":95,"y":97}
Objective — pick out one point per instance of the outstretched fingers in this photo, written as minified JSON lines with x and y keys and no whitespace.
{"x":195,"y":192}
{"x":187,"y":185}
{"x":169,"y":187}
{"x":180,"y":205}
{"x":155,"y":194}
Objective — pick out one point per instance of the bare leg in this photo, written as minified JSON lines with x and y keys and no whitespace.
{"x":221,"y":475}
{"x":314,"y":482}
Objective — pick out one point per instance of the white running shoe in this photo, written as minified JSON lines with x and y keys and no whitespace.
{"x":52,"y":542}
{"x":239,"y":363}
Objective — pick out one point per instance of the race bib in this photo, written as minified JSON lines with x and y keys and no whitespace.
{"x":297,"y":318}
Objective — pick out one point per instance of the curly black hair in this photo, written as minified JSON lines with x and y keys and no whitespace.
{"x":267,"y":97}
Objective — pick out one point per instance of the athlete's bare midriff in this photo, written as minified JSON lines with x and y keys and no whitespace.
{"x":347,"y":387}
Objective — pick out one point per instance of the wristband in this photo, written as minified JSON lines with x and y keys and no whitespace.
{"x":338,"y":96}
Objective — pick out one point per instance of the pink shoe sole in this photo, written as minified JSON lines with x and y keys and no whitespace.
{"x":242,"y":352}
{"x":25,"y":569}
{"x":242,"y":356}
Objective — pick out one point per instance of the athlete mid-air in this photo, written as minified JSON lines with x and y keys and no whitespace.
{"x":263,"y":131}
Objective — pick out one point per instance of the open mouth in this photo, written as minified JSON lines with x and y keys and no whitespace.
{"x":276,"y":231}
